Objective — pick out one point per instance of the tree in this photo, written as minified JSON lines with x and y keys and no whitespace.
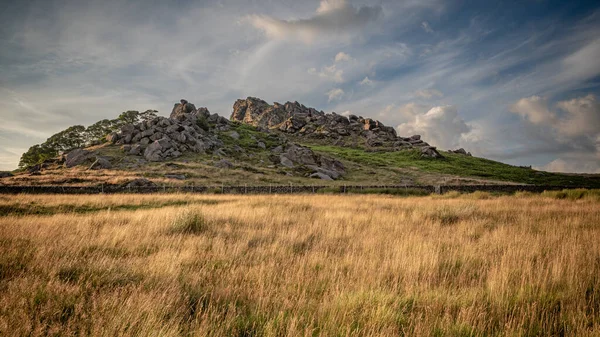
{"x":129,"y":117}
{"x":148,"y":115}
{"x":100,"y":129}
{"x":37,"y":154}
{"x":71,"y":138}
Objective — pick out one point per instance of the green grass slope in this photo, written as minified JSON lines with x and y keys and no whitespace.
{"x":456,"y":164}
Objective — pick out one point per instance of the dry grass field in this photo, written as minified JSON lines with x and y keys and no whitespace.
{"x":325,"y":265}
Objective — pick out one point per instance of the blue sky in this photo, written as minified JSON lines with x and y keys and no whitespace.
{"x":515,"y":81}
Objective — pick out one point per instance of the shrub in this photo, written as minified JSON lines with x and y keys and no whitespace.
{"x":189,"y":222}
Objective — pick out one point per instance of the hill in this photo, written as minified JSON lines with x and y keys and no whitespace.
{"x":268,"y":144}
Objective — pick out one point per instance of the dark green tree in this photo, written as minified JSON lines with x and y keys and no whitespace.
{"x":37,"y":154}
{"x":100,"y":129}
{"x":66,"y":140}
{"x":148,"y":115}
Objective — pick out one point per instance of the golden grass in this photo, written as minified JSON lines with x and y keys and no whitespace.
{"x":300,"y":266}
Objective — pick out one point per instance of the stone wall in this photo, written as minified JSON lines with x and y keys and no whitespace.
{"x":273,"y":189}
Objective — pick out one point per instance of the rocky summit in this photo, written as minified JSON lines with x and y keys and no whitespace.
{"x":261,"y":138}
{"x":298,"y":120}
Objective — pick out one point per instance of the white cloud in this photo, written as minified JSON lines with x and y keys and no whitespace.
{"x":575,"y":133}
{"x":533,"y":109}
{"x":335,"y":94}
{"x":573,"y":165}
{"x":429,"y":93}
{"x":583,"y":116}
{"x":366,"y":81}
{"x":426,"y":27}
{"x":341,"y":57}
{"x":441,"y":126}
{"x":331,"y":73}
{"x":333,"y":18}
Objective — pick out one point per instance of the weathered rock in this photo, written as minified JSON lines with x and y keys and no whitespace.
{"x":181,"y":109}
{"x":261,"y":145}
{"x":285,"y":161}
{"x":135,"y":150}
{"x":140,"y":182}
{"x":223,"y":164}
{"x":234,"y":135}
{"x":430,"y":152}
{"x":113,"y":137}
{"x":175,"y":176}
{"x":321,"y":176}
{"x":154,"y":152}
{"x":100,"y":163}
{"x":77,"y":157}
{"x":461,"y":151}
{"x":294,"y":118}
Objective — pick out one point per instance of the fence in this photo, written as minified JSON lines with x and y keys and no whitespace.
{"x":268,"y":189}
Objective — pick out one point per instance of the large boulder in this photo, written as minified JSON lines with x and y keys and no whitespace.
{"x":182,"y":109}
{"x":154,"y":151}
{"x":430,"y":152}
{"x":100,"y":163}
{"x":77,"y":157}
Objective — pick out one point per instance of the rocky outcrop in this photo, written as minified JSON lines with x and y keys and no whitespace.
{"x":297,"y":156}
{"x":294,"y":118}
{"x":186,"y":130}
{"x":77,"y":157}
{"x":461,"y":151}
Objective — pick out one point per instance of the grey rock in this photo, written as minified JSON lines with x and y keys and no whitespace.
{"x":136,"y":149}
{"x":154,"y":152}
{"x":175,"y":176}
{"x":430,"y":152}
{"x":234,"y":135}
{"x":148,"y":133}
{"x":5,"y":174}
{"x":77,"y":157}
{"x":285,"y":161}
{"x":223,"y":164}
{"x":100,"y":163}
{"x":261,"y":145}
{"x":321,"y":176}
{"x":140,"y":182}
{"x":113,"y":137}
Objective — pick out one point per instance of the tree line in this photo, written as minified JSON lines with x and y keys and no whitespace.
{"x":77,"y":136}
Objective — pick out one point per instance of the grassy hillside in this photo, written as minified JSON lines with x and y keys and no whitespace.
{"x":192,"y":265}
{"x":456,"y":164}
{"x":249,"y":163}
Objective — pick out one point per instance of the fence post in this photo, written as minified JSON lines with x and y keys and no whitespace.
{"x":291,"y":191}
{"x":222,"y":189}
{"x":270,"y":189}
{"x":344,"y":188}
{"x":245,"y":188}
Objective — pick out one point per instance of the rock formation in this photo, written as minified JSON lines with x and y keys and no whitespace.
{"x":187,"y":129}
{"x":461,"y":151}
{"x":296,"y":119}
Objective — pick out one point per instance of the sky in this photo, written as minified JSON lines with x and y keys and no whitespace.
{"x":514,"y":81}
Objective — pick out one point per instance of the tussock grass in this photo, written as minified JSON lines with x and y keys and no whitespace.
{"x":323,"y":265}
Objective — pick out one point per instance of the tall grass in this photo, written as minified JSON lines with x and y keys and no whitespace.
{"x":324,"y":265}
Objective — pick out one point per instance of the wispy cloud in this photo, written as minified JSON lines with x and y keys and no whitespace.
{"x":333,"y":18}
